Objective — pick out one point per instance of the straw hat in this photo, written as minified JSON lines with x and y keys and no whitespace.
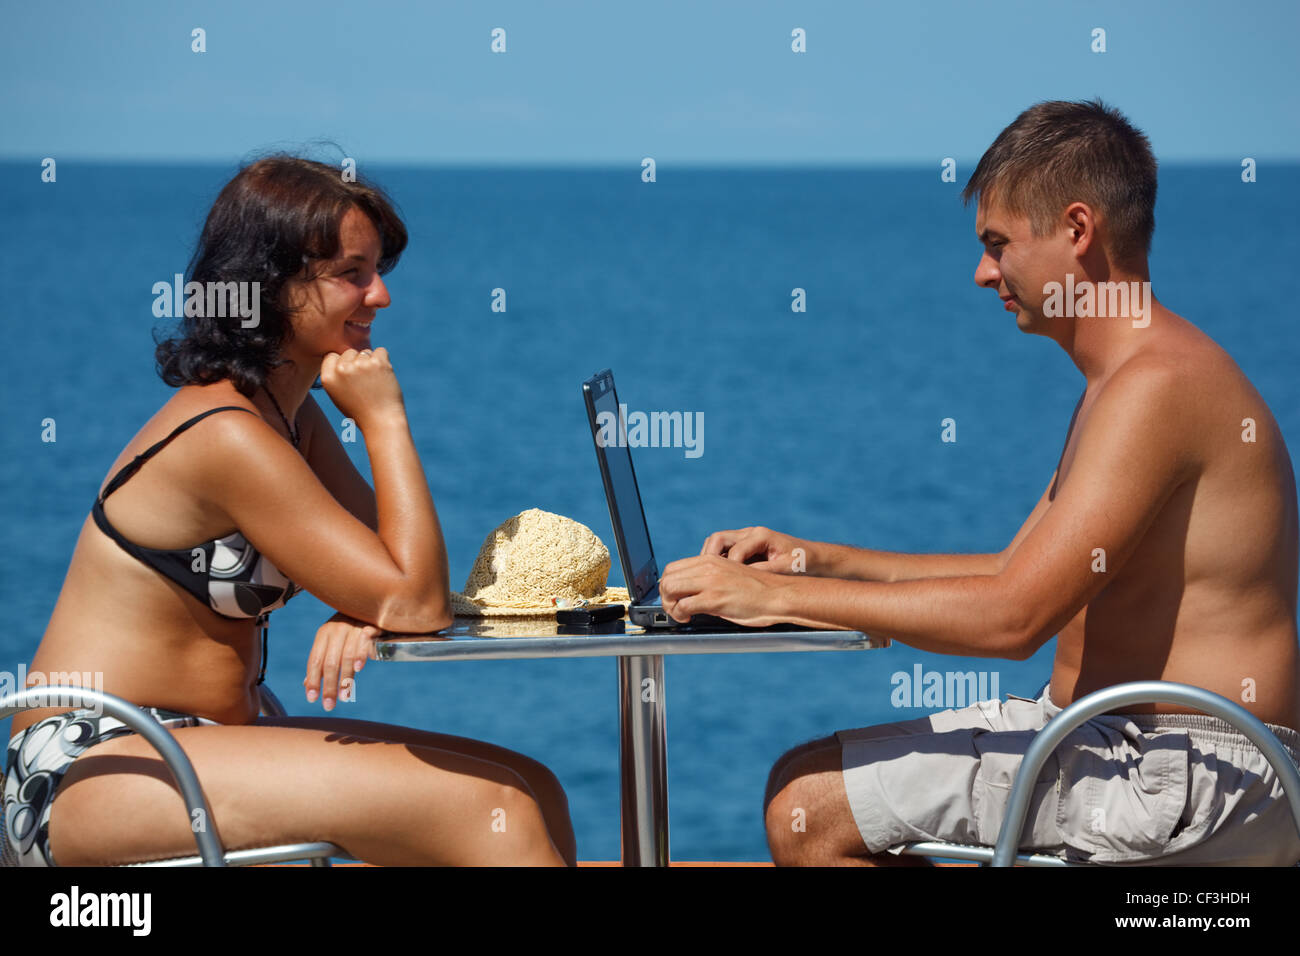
{"x":533,"y":564}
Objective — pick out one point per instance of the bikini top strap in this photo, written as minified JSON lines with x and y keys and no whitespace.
{"x":131,"y":467}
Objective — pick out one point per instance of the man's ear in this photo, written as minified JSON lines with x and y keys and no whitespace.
{"x":1081,"y":221}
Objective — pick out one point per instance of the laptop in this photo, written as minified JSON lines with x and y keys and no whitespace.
{"x":631,"y":535}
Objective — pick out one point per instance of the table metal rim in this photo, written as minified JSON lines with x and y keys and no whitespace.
{"x":618,"y":645}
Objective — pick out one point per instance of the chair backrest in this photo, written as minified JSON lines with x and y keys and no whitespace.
{"x":1112,"y":698}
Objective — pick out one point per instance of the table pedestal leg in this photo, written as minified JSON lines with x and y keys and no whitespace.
{"x":643,"y":760}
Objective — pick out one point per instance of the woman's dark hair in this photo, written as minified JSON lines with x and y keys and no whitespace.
{"x":277,"y":216}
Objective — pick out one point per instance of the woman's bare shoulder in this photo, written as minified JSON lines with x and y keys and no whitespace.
{"x":191,"y":400}
{"x":188,"y":402}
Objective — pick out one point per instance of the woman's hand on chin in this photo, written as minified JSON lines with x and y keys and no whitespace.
{"x":363,"y":385}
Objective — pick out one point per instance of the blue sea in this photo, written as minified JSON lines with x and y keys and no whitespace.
{"x":825,"y":424}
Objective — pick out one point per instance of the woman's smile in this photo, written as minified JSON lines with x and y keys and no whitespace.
{"x":360,"y":330}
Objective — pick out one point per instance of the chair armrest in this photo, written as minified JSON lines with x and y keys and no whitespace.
{"x":147,"y":727}
{"x":1084,"y":709}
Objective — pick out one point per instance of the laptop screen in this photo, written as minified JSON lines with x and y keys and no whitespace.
{"x":625,"y":510}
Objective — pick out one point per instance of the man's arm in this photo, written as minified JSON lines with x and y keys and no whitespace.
{"x":864,"y":564}
{"x":1131,"y":455}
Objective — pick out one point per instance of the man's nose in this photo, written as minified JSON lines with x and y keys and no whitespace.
{"x":987,"y":273}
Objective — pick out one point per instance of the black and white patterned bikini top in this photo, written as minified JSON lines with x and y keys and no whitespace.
{"x":227,"y":574}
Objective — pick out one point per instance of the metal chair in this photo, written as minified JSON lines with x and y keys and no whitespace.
{"x":144,"y":723}
{"x":1059,"y":727}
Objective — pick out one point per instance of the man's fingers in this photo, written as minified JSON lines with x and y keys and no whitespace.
{"x":678,"y":611}
{"x":718,"y":542}
{"x":681,"y":584}
{"x":747,"y":547}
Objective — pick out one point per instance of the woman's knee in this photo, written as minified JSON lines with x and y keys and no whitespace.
{"x":544,"y":784}
{"x":514,"y":823}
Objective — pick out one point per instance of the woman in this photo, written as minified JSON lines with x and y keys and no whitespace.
{"x":173,"y":626}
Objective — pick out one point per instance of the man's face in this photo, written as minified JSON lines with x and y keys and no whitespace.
{"x":1017,"y":265}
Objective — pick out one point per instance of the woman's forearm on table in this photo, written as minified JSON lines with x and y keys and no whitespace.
{"x":408,"y":528}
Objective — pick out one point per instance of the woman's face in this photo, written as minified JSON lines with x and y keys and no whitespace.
{"x":335,"y":308}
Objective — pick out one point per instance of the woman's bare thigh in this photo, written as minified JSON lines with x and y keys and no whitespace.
{"x":531,"y":770}
{"x":543,"y":783}
{"x":382,"y":801}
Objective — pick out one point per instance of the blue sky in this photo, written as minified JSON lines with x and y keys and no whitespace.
{"x":609,"y":83}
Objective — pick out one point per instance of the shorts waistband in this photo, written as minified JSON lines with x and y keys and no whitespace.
{"x":1212,"y":729}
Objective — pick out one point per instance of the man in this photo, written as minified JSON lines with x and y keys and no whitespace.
{"x":1164,"y":547}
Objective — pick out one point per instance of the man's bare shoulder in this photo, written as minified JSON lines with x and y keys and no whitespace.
{"x":1190,"y":381}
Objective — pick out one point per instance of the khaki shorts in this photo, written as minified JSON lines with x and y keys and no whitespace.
{"x":1158,"y":789}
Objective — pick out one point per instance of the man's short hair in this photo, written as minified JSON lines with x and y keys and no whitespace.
{"x":1059,"y":152}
